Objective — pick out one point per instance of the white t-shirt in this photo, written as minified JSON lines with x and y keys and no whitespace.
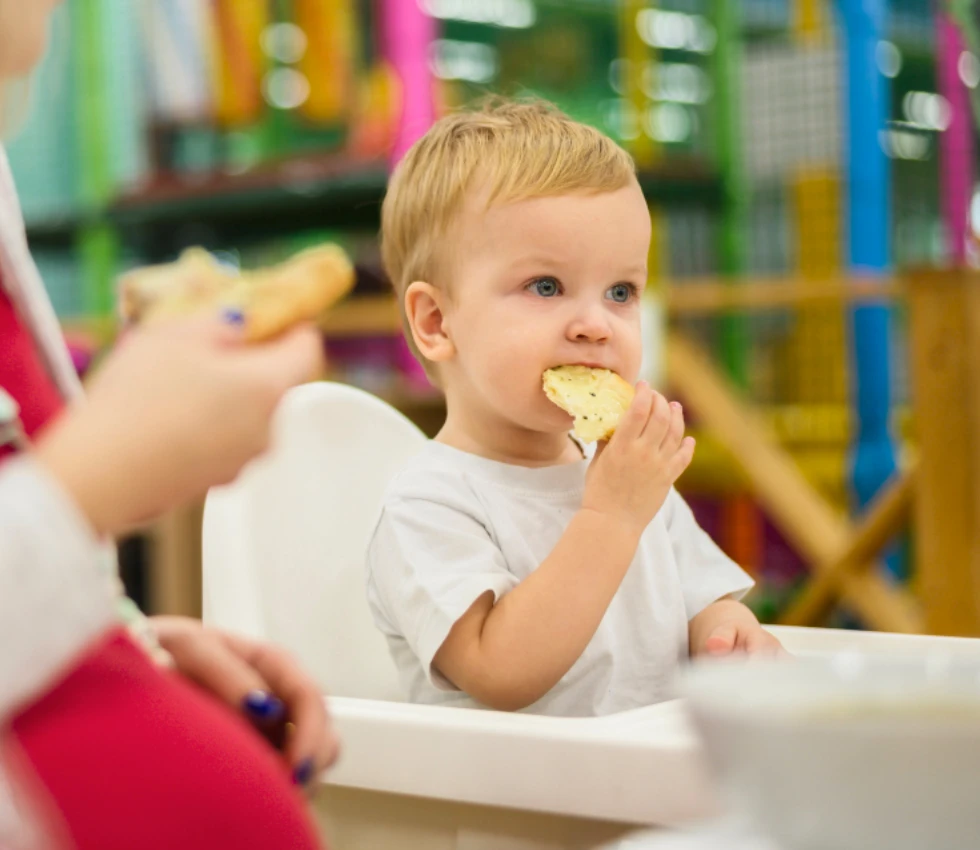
{"x":455,"y":525}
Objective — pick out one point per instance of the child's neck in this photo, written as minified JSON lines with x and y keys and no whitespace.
{"x":498,"y":439}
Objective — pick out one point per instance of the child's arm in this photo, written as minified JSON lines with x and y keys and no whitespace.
{"x":726,"y":627}
{"x":509,"y":654}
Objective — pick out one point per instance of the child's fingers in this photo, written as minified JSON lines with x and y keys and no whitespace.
{"x":658,"y":422}
{"x":632,"y":424}
{"x":675,"y":431}
{"x":682,"y":458}
{"x":721,"y":641}
{"x":760,"y":642}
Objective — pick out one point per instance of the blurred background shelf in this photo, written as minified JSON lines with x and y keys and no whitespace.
{"x":375,"y":315}
{"x":303,"y":194}
{"x":257,"y":128}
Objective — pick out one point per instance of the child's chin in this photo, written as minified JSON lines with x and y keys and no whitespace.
{"x":558,"y":424}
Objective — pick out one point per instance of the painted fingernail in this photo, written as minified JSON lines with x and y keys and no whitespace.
{"x":263,"y":706}
{"x":233,"y":316}
{"x":304,"y":772}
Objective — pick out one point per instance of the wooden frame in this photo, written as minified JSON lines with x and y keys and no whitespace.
{"x":819,"y":531}
{"x":941,"y":490}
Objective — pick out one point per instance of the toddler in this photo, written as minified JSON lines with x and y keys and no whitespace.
{"x":514,"y":567}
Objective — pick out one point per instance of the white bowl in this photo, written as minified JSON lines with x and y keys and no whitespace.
{"x":851,"y":752}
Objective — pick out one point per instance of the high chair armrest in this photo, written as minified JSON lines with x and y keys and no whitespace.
{"x":815,"y":642}
{"x":639,"y":767}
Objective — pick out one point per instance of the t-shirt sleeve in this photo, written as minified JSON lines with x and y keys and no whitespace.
{"x":707,"y":574}
{"x":427,"y":564}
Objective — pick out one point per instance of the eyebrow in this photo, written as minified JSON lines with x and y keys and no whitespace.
{"x":550,"y":260}
{"x":537,"y":260}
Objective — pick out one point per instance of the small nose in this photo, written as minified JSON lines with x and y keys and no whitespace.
{"x":589,"y":324}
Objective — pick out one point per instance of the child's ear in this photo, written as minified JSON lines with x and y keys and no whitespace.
{"x":424,"y":311}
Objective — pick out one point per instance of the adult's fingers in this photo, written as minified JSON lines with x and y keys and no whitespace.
{"x":312,"y":745}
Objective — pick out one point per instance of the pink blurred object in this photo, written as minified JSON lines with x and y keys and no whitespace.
{"x":82,"y":353}
{"x":956,"y":144}
{"x":407,"y":34}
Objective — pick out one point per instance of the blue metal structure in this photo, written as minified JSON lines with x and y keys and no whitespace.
{"x":869,"y":225}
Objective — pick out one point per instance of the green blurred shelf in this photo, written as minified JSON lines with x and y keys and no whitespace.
{"x":286,"y":187}
{"x":682,"y":181}
{"x":220,"y":209}
{"x":333,"y":192}
{"x":56,"y":233}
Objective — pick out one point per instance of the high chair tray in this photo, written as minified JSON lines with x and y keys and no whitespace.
{"x":638,"y":767}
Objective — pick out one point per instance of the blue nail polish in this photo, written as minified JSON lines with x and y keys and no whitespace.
{"x":263,"y":706}
{"x":304,"y":772}
{"x":233,"y":316}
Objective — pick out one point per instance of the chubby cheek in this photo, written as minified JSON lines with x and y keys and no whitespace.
{"x":630,"y":351}
{"x":508,"y":362}
{"x":511,"y":368}
{"x":631,"y":361}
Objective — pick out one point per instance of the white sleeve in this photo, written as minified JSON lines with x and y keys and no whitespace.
{"x":427,"y":564}
{"x":707,"y":574}
{"x":54,"y":598}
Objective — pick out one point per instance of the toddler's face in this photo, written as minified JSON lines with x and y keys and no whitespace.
{"x":546,"y":282}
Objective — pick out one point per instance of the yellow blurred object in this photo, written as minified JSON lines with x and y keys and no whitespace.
{"x":714,"y":473}
{"x":330,"y":60}
{"x":815,"y":360}
{"x":811,"y":21}
{"x":239,"y":62}
{"x":376,"y":114}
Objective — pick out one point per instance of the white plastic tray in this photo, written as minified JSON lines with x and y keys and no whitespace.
{"x":621,"y":773}
{"x":640,"y":767}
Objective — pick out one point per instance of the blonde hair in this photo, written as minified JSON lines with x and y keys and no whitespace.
{"x":517,"y":149}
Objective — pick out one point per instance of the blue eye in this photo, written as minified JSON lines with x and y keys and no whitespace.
{"x":546,"y":287}
{"x":621,"y":293}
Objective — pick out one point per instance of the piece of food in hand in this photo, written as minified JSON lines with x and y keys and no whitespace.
{"x":597,"y":398}
{"x":269,"y":301}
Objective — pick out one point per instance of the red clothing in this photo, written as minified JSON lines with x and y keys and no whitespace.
{"x":137,"y":758}
{"x":131,"y":755}
{"x":22,"y":374}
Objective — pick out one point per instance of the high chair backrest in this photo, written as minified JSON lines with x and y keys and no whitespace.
{"x":285,"y":544}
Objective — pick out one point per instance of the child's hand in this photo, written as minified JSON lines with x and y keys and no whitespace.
{"x":749,"y":639}
{"x":727,"y":627}
{"x":632,"y":474}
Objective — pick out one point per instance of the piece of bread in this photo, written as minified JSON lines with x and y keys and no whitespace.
{"x":597,"y":398}
{"x":270,"y":301}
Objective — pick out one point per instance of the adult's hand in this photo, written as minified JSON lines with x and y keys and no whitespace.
{"x":262,"y":681}
{"x":176,"y":409}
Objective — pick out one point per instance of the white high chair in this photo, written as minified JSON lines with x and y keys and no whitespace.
{"x":284,"y":551}
{"x":284,"y":545}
